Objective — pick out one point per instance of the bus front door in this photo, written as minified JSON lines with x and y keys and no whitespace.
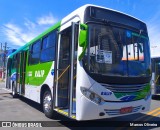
{"x":65,"y":74}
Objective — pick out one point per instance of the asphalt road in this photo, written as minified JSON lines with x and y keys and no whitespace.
{"x":22,"y":109}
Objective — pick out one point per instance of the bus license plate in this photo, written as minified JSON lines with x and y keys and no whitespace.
{"x":126,"y":110}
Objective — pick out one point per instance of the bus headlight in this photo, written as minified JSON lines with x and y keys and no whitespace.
{"x":91,"y":96}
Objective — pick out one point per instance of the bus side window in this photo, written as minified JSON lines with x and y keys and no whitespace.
{"x":48,"y":48}
{"x":14,"y":62}
{"x":35,"y":53}
{"x":9,"y":63}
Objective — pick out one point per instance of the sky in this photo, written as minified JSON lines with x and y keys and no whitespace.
{"x":22,"y":20}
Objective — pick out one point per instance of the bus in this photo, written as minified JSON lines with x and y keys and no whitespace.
{"x":93,"y":64}
{"x":155,"y":82}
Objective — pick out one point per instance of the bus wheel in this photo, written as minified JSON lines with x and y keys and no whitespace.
{"x":14,"y":91}
{"x":48,"y":104}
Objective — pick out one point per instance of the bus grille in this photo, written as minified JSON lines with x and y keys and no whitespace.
{"x":124,"y":88}
{"x":113,"y":112}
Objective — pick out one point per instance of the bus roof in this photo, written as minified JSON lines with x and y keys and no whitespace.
{"x":115,"y":11}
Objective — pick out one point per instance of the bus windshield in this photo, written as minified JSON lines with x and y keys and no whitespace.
{"x":115,"y":51}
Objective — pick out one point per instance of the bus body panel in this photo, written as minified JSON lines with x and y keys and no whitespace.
{"x":42,"y":74}
{"x":90,"y":110}
{"x":87,"y":109}
{"x":32,"y":92}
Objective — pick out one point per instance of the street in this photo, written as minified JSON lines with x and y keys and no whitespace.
{"x":22,"y":109}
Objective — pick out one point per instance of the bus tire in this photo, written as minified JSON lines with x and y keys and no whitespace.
{"x":14,"y":95}
{"x":48,"y":104}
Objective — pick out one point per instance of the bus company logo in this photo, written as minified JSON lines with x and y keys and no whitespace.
{"x":39,"y":73}
{"x":106,"y":93}
{"x":52,"y":72}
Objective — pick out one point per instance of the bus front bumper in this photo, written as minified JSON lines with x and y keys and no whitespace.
{"x":89,"y":110}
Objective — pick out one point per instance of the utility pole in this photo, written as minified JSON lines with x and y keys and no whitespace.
{"x":1,"y":46}
{"x":4,"y":60}
{"x":5,"y":51}
{"x":1,"y":62}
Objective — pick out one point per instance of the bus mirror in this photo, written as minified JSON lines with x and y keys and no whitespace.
{"x":83,"y":35}
{"x":83,"y":39}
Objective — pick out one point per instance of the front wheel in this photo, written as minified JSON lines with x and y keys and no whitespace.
{"x":48,"y":104}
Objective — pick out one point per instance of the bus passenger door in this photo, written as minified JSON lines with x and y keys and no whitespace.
{"x":22,"y":71}
{"x":65,"y":74}
{"x":18,"y":55}
{"x":8,"y":74}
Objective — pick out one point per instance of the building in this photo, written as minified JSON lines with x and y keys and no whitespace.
{"x":3,"y":60}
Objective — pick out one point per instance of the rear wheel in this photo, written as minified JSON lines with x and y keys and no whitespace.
{"x":14,"y":90}
{"x":48,"y":104}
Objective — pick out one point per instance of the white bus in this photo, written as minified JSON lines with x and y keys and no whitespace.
{"x":93,"y":64}
{"x":155,"y":82}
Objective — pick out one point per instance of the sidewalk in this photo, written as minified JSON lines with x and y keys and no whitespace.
{"x":1,"y":80}
{"x":3,"y":89}
{"x":2,"y":84}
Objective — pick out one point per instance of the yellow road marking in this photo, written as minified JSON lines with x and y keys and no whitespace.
{"x":152,"y":113}
{"x":149,"y":113}
{"x":152,"y":116}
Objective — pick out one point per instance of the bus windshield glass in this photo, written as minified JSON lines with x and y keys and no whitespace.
{"x":115,"y":51}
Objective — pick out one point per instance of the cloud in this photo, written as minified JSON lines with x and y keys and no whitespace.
{"x":17,"y":35}
{"x":13,"y":33}
{"x":154,"y":34}
{"x":21,"y":34}
{"x":49,"y":19}
{"x":30,"y":25}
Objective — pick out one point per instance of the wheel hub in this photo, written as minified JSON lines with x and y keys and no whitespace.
{"x":47,"y":103}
